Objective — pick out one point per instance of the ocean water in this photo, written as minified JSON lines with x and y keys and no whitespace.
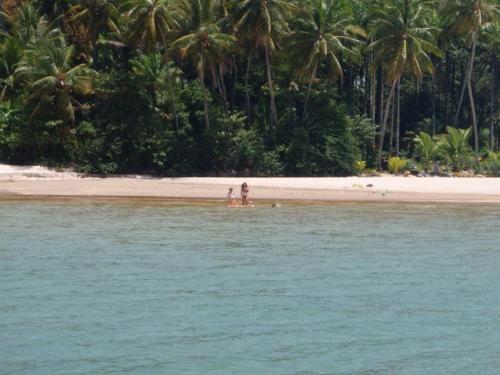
{"x":118,"y":288}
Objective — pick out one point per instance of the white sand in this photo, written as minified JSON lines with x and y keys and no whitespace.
{"x":36,"y":181}
{"x":18,"y":172}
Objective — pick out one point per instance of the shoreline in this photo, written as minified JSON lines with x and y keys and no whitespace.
{"x":265,"y":191}
{"x":40,"y":183}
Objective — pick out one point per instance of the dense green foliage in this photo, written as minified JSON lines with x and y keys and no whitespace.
{"x":275,"y":87}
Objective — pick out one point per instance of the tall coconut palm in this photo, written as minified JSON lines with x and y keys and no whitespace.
{"x":52,"y":81}
{"x":402,"y":42}
{"x":97,"y":16}
{"x":151,"y":72}
{"x":151,"y":23}
{"x":53,"y":9}
{"x":471,"y":17}
{"x":23,"y":22}
{"x":11,"y":51}
{"x":493,"y":42}
{"x":203,"y":44}
{"x":260,"y":23}
{"x":323,"y":32}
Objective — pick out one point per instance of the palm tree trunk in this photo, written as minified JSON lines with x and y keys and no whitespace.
{"x":309,"y":86}
{"x":219,"y":84}
{"x":95,"y":52}
{"x":365,"y":80}
{"x":474,"y":116}
{"x":373,"y":98}
{"x":373,"y":104}
{"x":274,"y":114}
{"x":205,"y":99}
{"x":171,"y":94}
{"x":381,"y":110}
{"x":492,"y":104}
{"x":468,"y":74}
{"x":384,"y":123}
{"x":446,"y":86}
{"x":247,"y":92}
{"x":433,"y":107}
{"x":398,"y":116}
{"x":393,"y":124}
{"x":223,"y":86}
{"x":471,"y":94}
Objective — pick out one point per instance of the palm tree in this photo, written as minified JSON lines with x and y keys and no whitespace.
{"x":54,"y":9}
{"x":151,"y":23}
{"x":10,"y":54}
{"x":152,"y":71}
{"x":23,"y":22}
{"x":52,"y":81}
{"x":204,"y":44}
{"x":428,"y":148}
{"x":323,"y":32}
{"x":471,"y":17}
{"x":97,"y":16}
{"x":260,"y":23}
{"x":402,"y":42}
{"x":456,"y":146}
{"x":494,"y":45}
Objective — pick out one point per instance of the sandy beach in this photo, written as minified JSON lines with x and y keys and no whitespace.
{"x":35,"y":182}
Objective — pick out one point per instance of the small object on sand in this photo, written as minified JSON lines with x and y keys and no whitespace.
{"x":369,"y":185}
{"x":276,"y":205}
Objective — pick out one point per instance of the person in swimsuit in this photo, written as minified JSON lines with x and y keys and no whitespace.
{"x":244,"y":194}
{"x":231,"y":198}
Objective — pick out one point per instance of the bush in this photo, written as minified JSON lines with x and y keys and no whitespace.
{"x":323,"y":143}
{"x":270,"y":163}
{"x":396,"y":165}
{"x":360,"y":166}
{"x":491,"y":165}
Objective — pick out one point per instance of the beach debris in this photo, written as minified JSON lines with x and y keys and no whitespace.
{"x":276,"y":205}
{"x":369,"y":185}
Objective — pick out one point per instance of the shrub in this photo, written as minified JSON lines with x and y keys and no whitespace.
{"x":491,"y":165}
{"x":270,"y":163}
{"x":456,"y":147}
{"x":360,"y":166}
{"x":428,"y":149}
{"x":323,"y":144}
{"x":396,"y":165}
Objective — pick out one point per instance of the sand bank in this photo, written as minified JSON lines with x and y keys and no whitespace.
{"x":44,"y":183}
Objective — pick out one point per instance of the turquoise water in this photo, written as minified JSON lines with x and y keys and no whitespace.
{"x":92,"y":288}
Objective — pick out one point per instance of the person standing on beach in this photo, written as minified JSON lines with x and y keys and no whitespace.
{"x":244,"y":194}
{"x":231,"y":198}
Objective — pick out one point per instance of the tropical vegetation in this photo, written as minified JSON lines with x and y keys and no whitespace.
{"x":251,"y":87}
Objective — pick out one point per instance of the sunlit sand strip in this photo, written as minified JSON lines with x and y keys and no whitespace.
{"x":352,"y":189}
